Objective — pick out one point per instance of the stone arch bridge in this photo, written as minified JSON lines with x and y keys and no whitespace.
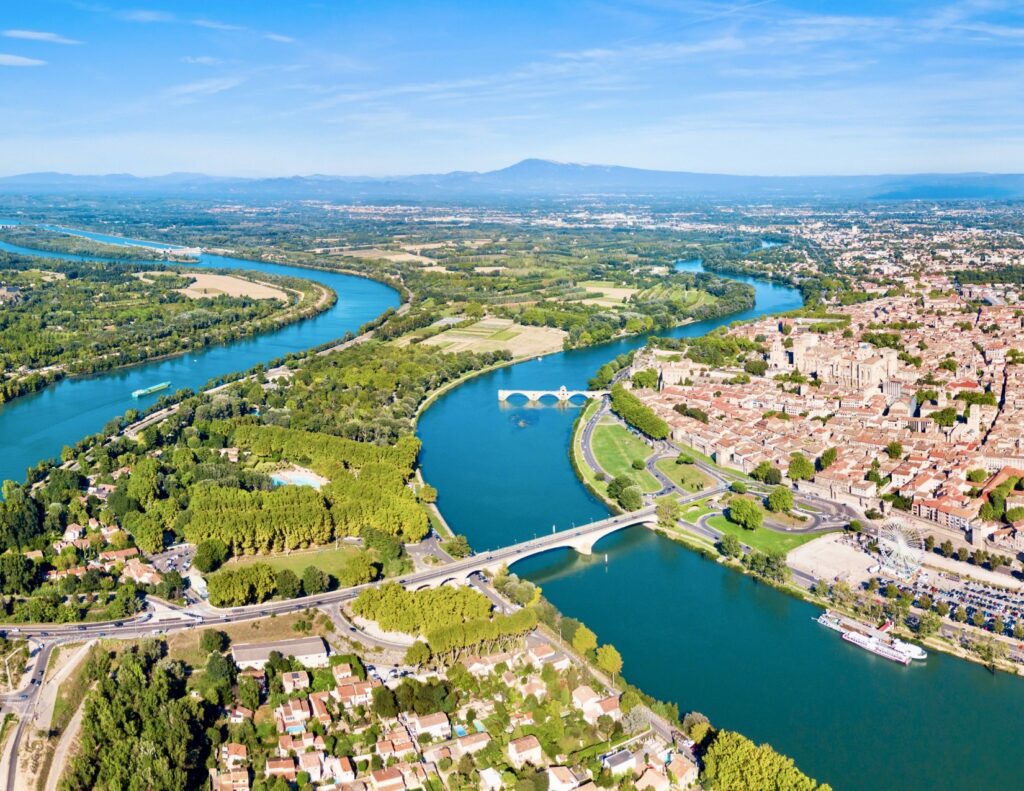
{"x":562,"y":394}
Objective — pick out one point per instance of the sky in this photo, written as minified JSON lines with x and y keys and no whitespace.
{"x":372,"y":87}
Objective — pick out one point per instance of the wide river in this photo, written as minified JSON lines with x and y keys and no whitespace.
{"x":689,"y":631}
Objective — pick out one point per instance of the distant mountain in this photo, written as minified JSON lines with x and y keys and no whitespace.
{"x":537,"y":178}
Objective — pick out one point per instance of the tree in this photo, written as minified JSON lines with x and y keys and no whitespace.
{"x":17,"y":573}
{"x":631,"y":498}
{"x":734,"y":763}
{"x":385,"y":704}
{"x":314,"y":581}
{"x":768,"y":473}
{"x":210,"y":555}
{"x":738,"y":487}
{"x":667,"y":509}
{"x":730,"y":546}
{"x":828,"y":458}
{"x":417,"y":654}
{"x":213,"y":640}
{"x":288,"y":585}
{"x":584,"y":641}
{"x":894,"y":450}
{"x":800,"y":469}
{"x":457,"y":546}
{"x":359,"y":570}
{"x":745,"y":513}
{"x":929,"y":624}
{"x":609,"y":660}
{"x":780,"y":499}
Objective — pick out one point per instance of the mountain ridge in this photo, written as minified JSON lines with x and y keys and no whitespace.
{"x":534,"y":177}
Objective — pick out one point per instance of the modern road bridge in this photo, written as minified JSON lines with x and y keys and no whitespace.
{"x":582,"y":539}
{"x":563,"y":394}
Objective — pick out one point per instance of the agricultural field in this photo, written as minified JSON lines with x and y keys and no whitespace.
{"x":494,"y":334}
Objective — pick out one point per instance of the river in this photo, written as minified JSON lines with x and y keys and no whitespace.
{"x":39,"y":425}
{"x":689,"y":631}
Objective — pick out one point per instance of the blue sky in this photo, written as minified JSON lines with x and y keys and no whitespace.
{"x":374,"y":87}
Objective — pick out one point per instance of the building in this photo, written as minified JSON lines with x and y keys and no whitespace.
{"x":293,"y":681}
{"x":525,"y":750}
{"x":310,"y":651}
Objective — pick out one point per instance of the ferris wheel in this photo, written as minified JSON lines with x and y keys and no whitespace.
{"x":901,"y":548}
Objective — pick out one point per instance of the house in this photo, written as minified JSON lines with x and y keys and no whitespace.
{"x":118,"y":555}
{"x":280,"y":767}
{"x":73,"y":532}
{"x":321,"y":712}
{"x":288,"y":743}
{"x":481,"y":666}
{"x":437,"y":752}
{"x":682,"y":770}
{"x":653,"y":779}
{"x":389,"y":779}
{"x":233,"y":755}
{"x":561,"y":778}
{"x":471,"y":743}
{"x":436,"y":726}
{"x":293,"y":681}
{"x":343,"y":673}
{"x":583,"y":696}
{"x":142,"y":573}
{"x":232,"y":780}
{"x":525,"y":750}
{"x":490,"y":779}
{"x":312,"y":763}
{"x":395,"y":744}
{"x":356,"y":693}
{"x":619,"y":762}
{"x":238,"y":714}
{"x":291,"y":715}
{"x":309,"y":651}
{"x":605,"y":707}
{"x":340,"y":769}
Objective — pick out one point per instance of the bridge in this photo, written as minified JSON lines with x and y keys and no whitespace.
{"x":563,"y":394}
{"x":582,"y":539}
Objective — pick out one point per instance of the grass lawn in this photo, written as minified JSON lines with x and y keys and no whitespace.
{"x":328,"y":559}
{"x":616,"y":449}
{"x":761,"y":539}
{"x":687,"y":476}
{"x":696,"y":511}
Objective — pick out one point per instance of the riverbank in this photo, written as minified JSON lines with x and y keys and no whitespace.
{"x":296,"y":299}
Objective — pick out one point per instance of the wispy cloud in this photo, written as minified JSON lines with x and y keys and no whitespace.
{"x":213,"y":24}
{"x":39,"y":35}
{"x":208,"y":87}
{"x":279,"y":38}
{"x":18,"y":60}
{"x":146,"y":15}
{"x":201,"y":60}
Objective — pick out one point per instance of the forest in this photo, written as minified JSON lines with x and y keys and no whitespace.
{"x":78,"y":318}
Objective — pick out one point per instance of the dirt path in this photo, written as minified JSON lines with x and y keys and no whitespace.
{"x":68,"y":740}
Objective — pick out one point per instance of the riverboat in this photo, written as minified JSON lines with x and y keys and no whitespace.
{"x":878,"y":641}
{"x":876,"y":646}
{"x":145,"y":391}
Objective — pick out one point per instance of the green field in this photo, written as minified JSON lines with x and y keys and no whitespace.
{"x":761,"y":539}
{"x":686,"y":476}
{"x":330,"y":560}
{"x":616,"y":448}
{"x":696,"y":510}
